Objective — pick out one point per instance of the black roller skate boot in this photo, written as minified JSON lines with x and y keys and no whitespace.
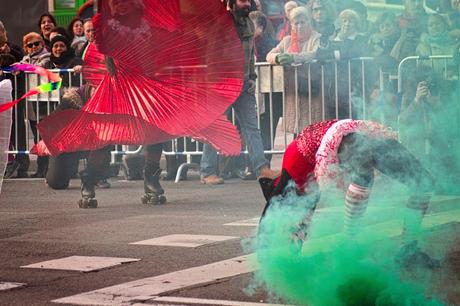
{"x":88,"y":193}
{"x":154,"y":193}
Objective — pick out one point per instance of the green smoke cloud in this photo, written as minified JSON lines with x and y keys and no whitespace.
{"x":333,"y":270}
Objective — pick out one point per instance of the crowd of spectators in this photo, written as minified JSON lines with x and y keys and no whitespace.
{"x":51,"y":47}
{"x":324,"y":34}
{"x":329,"y":37}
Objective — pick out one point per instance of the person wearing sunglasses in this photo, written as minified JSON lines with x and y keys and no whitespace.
{"x":34,"y":49}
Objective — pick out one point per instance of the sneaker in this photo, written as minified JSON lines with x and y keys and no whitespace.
{"x":103,"y":184}
{"x":246,"y":174}
{"x":212,"y":180}
{"x":265,"y":171}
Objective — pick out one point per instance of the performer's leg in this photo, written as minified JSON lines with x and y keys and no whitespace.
{"x":355,"y":158}
{"x":154,"y":193}
{"x":94,"y":171}
{"x":394,"y":160}
{"x":356,"y":200}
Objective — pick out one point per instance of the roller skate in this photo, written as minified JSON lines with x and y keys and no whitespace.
{"x":88,"y":192}
{"x":154,"y":193}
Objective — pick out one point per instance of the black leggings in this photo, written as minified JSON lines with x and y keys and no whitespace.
{"x":360,"y":155}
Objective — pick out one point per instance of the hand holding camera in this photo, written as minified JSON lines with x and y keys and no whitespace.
{"x":423,"y":92}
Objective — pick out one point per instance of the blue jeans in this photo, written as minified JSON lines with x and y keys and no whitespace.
{"x":245,"y":110}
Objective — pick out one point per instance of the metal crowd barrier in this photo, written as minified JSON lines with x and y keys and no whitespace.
{"x":274,"y":80}
{"x":36,"y":107}
{"x":432,"y":59}
{"x":333,"y":83}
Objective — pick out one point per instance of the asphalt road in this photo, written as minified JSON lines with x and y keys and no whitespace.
{"x":39,"y":224}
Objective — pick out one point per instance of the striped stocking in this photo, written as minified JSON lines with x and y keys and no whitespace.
{"x":355,"y":205}
{"x":418,"y":205}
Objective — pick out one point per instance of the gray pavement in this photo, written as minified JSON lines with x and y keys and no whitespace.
{"x":39,"y":224}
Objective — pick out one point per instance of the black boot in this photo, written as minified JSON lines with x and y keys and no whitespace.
{"x":88,"y":193}
{"x":154,"y":193}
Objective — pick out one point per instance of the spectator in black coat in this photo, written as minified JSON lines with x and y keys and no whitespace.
{"x":63,"y":57}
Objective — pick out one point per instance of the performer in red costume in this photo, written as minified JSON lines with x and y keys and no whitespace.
{"x":345,"y":153}
{"x":172,"y":70}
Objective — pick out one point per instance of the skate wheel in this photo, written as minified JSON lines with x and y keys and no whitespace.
{"x":153,"y":199}
{"x":161,"y":199}
{"x":145,"y":200}
{"x":87,"y":203}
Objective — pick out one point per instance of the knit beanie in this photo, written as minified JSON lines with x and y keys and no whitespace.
{"x":60,"y":38}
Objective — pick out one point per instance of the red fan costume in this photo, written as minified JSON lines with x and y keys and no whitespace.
{"x":177,"y":70}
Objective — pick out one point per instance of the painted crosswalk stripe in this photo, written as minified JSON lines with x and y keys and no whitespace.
{"x":247,"y":222}
{"x":188,"y":241}
{"x":9,"y":285}
{"x":81,"y":263}
{"x":336,"y":209}
{"x":147,"y":288}
{"x":163,"y":300}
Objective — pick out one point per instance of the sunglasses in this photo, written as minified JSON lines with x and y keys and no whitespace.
{"x":36,"y":44}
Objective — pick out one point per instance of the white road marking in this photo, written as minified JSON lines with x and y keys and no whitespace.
{"x":9,"y":285}
{"x":81,"y":263}
{"x":380,"y":231}
{"x":162,"y":300}
{"x":148,"y":288}
{"x":248,"y":222}
{"x":336,"y":209}
{"x":188,"y":241}
{"x":145,"y":289}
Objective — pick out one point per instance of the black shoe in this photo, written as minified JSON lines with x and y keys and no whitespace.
{"x":411,"y":257}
